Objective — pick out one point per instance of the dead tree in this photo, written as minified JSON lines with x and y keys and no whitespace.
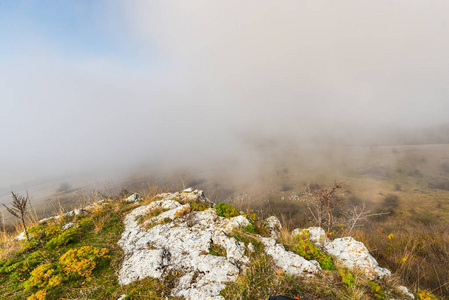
{"x":357,"y":214}
{"x":19,"y":209}
{"x":322,"y":203}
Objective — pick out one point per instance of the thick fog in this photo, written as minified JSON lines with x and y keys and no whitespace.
{"x":173,"y":83}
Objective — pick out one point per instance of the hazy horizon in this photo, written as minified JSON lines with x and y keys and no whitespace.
{"x":107,"y":86}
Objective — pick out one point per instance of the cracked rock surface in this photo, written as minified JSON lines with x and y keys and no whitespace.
{"x":167,"y":236}
{"x":179,"y":239}
{"x":182,"y":244}
{"x":353,"y":254}
{"x":288,"y":261}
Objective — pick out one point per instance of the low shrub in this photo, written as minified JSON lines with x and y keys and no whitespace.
{"x":391,"y":200}
{"x":249,"y":228}
{"x":225,"y":210}
{"x":309,"y":251}
{"x":40,"y":295}
{"x":19,"y":268}
{"x":198,"y":206}
{"x":441,"y":185}
{"x":45,"y":277}
{"x":40,"y":234}
{"x":445,"y":167}
{"x":416,"y":172}
{"x":82,"y":261}
{"x":64,"y":238}
{"x":376,"y":290}
{"x":347,"y":278}
{"x":426,"y":295}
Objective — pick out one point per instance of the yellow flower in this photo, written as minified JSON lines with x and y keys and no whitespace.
{"x":391,"y":236}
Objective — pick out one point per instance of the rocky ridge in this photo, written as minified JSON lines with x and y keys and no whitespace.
{"x":171,"y":235}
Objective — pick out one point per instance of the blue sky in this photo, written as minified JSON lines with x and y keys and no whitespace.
{"x":75,"y":29}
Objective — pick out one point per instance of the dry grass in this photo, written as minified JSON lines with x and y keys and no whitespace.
{"x":418,"y":254}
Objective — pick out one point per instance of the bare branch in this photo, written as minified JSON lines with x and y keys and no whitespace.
{"x":19,"y":208}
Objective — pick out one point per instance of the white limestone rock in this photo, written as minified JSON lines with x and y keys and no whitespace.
{"x":134,"y":198}
{"x":288,"y":261}
{"x":67,"y":226}
{"x":187,"y":196}
{"x":78,"y":211}
{"x":404,"y":291}
{"x":317,"y":235}
{"x":251,"y":248}
{"x":48,"y":219}
{"x":275,"y":226}
{"x":353,"y":254}
{"x":144,"y":263}
{"x":182,"y":245}
{"x":21,"y":236}
{"x":234,"y":249}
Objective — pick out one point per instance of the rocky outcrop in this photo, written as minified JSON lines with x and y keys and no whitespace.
{"x":134,"y":198}
{"x":166,"y":235}
{"x":316,"y":235}
{"x":288,"y":261}
{"x":404,"y":291}
{"x":353,"y":254}
{"x":346,"y":251}
{"x":174,"y":234}
{"x":179,"y":239}
{"x":274,"y":225}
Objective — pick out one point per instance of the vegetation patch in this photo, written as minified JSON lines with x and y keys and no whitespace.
{"x":198,"y":206}
{"x":82,"y":261}
{"x":217,"y":250}
{"x":347,"y":278}
{"x":261,"y":280}
{"x":376,"y":290}
{"x":225,"y":210}
{"x":309,"y":251}
{"x":67,"y":236}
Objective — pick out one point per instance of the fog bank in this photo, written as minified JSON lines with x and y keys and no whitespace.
{"x":108,"y":87}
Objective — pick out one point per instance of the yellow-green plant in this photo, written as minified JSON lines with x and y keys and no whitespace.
{"x":309,"y":251}
{"x":426,"y":295}
{"x":82,"y":261}
{"x":347,"y":278}
{"x":198,"y":206}
{"x":62,"y":239}
{"x":44,"y":277}
{"x":376,"y":290}
{"x":20,"y":269}
{"x":40,"y":234}
{"x":40,"y":295}
{"x":226,"y":210}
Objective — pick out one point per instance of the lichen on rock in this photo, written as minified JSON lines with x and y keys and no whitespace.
{"x":353,"y":254}
{"x":182,"y":245}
